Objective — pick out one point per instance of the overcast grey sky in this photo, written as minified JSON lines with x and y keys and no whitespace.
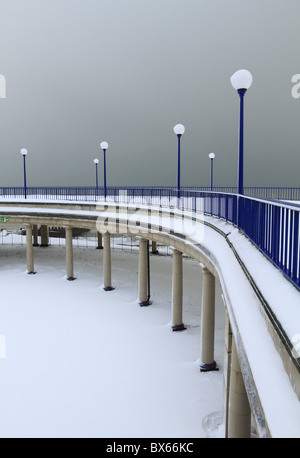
{"x":126,"y":71}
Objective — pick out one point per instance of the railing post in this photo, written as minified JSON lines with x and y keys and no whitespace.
{"x":290,"y":242}
{"x":281,"y":240}
{"x":286,"y":240}
{"x":275,"y":235}
{"x":239,"y":212}
{"x":296,"y":255}
{"x":226,"y":207}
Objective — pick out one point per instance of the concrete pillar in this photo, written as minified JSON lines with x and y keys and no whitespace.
{"x":226,"y":371}
{"x":35,"y":235}
{"x":144,"y":293}
{"x":239,"y":420}
{"x":154,"y":248}
{"x":69,"y":254}
{"x":99,"y":246}
{"x":107,"y":263}
{"x":44,"y":236}
{"x":208,"y":322}
{"x":29,"y":250}
{"x":177,"y":292}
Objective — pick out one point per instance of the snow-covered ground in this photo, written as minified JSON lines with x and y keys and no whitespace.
{"x":81,"y":362}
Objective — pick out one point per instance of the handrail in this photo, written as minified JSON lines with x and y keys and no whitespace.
{"x":272,"y":225}
{"x":274,"y":193}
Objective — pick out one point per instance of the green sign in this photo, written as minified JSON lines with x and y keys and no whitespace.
{"x":4,"y":219}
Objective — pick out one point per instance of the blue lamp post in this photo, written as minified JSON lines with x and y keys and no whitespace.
{"x":96,"y":162}
{"x":104,"y":146}
{"x":211,"y":157}
{"x":179,"y":130}
{"x":24,"y":153}
{"x":241,"y":81}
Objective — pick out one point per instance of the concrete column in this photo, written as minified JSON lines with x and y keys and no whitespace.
{"x":35,"y":235}
{"x":239,"y":421}
{"x":99,"y":246}
{"x":208,"y":322}
{"x":69,"y":254}
{"x":107,"y":263}
{"x":29,"y":250}
{"x":144,"y":293}
{"x":154,"y":248}
{"x":44,"y":236}
{"x":226,"y":371}
{"x":177,"y":292}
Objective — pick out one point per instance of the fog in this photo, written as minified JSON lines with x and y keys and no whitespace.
{"x":79,"y":72}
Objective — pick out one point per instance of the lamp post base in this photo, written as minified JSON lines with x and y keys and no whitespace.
{"x":145,"y":303}
{"x":108,"y":288}
{"x":178,"y":327}
{"x":208,"y":367}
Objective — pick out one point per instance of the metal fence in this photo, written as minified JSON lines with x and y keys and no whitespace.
{"x":91,"y":193}
{"x":272,"y":225}
{"x":274,"y":228}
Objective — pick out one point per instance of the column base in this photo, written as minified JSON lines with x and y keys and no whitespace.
{"x":108,"y":288}
{"x":178,"y":327}
{"x":155,"y":252}
{"x":208,"y":367}
{"x":99,"y":248}
{"x":145,"y":303}
{"x":71,"y":278}
{"x":44,"y":245}
{"x":31,"y":272}
{"x":35,"y":244}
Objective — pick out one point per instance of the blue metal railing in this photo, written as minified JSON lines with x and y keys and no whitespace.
{"x":274,"y":228}
{"x":272,"y":225}
{"x":88,"y":192}
{"x":275,"y":193}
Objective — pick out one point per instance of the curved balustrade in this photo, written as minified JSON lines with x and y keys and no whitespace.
{"x":90,"y":192}
{"x":272,"y":225}
{"x":158,"y":214}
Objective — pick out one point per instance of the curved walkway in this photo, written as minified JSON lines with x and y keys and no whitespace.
{"x":263,"y":307}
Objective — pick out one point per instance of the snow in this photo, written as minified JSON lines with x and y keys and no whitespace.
{"x":282,"y":411}
{"x":81,"y":362}
{"x":143,"y":387}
